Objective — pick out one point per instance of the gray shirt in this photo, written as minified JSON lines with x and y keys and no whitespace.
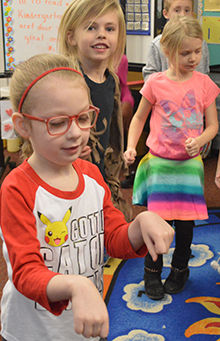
{"x":157,"y":61}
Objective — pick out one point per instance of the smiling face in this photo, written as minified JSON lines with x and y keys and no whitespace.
{"x":96,"y":39}
{"x":52,"y":97}
{"x":56,"y":233}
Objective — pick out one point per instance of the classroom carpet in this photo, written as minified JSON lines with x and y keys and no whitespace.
{"x":193,"y":314}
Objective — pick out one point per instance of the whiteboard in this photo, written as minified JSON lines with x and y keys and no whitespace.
{"x":23,"y":35}
{"x":30,"y":27}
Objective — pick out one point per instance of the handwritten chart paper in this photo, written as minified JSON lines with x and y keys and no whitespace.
{"x":30,"y":27}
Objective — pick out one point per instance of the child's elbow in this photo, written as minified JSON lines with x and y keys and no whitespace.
{"x":216,"y":128}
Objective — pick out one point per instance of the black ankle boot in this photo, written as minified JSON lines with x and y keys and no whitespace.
{"x":153,"y":286}
{"x":176,"y":281}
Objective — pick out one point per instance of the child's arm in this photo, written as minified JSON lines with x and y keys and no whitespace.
{"x":150,"y":229}
{"x":135,"y":129}
{"x":127,"y":100}
{"x":205,"y":58}
{"x":217,"y":174}
{"x":154,"y":62}
{"x":89,"y":310}
{"x":193,"y":145}
{"x":127,"y":113}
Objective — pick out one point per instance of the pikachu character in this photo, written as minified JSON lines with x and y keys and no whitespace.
{"x":56,"y":233}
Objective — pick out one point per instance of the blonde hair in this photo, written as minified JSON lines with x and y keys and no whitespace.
{"x":174,"y":32}
{"x":77,"y":13}
{"x":26,"y":72}
{"x":167,"y":4}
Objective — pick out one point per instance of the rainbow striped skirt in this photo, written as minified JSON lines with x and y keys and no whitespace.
{"x":173,"y":189}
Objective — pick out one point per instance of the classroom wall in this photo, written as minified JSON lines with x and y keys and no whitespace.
{"x":137,"y":45}
{"x":1,"y":45}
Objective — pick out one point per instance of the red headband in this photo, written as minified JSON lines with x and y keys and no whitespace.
{"x":37,"y":79}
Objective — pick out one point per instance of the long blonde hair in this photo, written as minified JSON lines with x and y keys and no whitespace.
{"x":26,"y":72}
{"x":80,"y":11}
{"x":175,"y":31}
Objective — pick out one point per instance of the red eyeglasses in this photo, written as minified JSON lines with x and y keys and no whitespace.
{"x":59,"y":125}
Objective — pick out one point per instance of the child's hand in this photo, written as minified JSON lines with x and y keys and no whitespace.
{"x":157,"y":236}
{"x":85,"y":153}
{"x":129,"y":156}
{"x":149,"y":228}
{"x":192,"y":146}
{"x":127,"y":113}
{"x":217,"y":180}
{"x":89,"y":310}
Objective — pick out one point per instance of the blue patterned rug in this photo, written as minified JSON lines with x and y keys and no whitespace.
{"x":193,"y":315}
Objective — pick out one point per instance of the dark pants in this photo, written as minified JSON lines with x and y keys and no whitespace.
{"x":182,"y":252}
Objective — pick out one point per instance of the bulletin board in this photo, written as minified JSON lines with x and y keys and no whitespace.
{"x":138,"y":17}
{"x":209,"y":14}
{"x":211,"y":30}
{"x":211,"y":5}
{"x":30,"y":27}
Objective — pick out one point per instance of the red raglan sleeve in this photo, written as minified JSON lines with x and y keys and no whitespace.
{"x":30,"y":275}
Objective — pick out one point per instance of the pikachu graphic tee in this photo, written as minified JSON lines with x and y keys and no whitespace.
{"x":46,"y":232}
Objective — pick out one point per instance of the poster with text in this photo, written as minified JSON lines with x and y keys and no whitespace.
{"x":30,"y":27}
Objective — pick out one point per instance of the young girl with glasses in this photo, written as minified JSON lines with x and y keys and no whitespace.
{"x":170,"y":178}
{"x":56,"y":213}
